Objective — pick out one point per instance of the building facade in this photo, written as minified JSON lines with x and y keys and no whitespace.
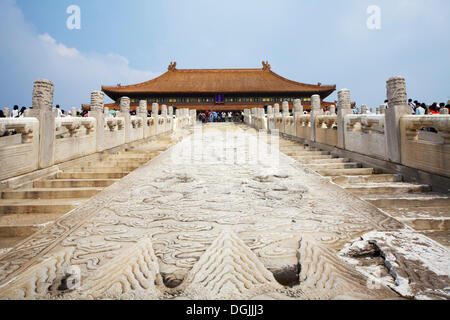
{"x":218,"y":89}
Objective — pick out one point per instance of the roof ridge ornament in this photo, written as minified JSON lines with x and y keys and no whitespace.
{"x":266,"y":66}
{"x":172,"y":66}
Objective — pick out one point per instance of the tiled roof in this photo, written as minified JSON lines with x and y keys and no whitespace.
{"x":219,"y":81}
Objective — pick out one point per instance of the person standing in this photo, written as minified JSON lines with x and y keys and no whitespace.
{"x":412,"y":106}
{"x":420,"y":110}
{"x":22,"y":112}
{"x":59,"y":115}
{"x":15,"y":112}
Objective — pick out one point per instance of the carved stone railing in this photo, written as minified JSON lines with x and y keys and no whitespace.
{"x":81,"y":140}
{"x":304,"y":121}
{"x":326,"y":129}
{"x":365,"y":123}
{"x":414,"y":124}
{"x":302,"y":126}
{"x":330,"y":121}
{"x":431,"y":156}
{"x":19,"y":153}
{"x":289,"y":125}
{"x":136,"y":122}
{"x":22,"y":126}
{"x":74,"y":125}
{"x":365,"y":134}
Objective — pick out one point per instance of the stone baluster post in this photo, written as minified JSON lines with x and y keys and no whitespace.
{"x":382,"y":109}
{"x":170,"y":117}
{"x":143,"y":114}
{"x":285,"y":114}
{"x":363,"y":109}
{"x":125,"y":113}
{"x":398,"y":107}
{"x":194,"y":116}
{"x":344,"y":108}
{"x":298,"y":112}
{"x":247,"y":116}
{"x":276,"y":110}
{"x":315,"y":111}
{"x":74,"y":112}
{"x":7,"y":112}
{"x":443,"y":111}
{"x":155,"y":117}
{"x":43,"y":111}
{"x":378,"y":110}
{"x":333,"y":110}
{"x":97,"y":112}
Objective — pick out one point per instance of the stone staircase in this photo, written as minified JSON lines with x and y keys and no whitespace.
{"x":26,"y":210}
{"x":413,"y":204}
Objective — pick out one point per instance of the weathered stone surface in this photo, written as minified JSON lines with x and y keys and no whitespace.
{"x":285,"y":108}
{"x":344,"y":104}
{"x":43,"y":94}
{"x":276,"y":109}
{"x":155,"y":110}
{"x":396,"y":91}
{"x":42,"y":110}
{"x":398,"y":107}
{"x":142,"y":107}
{"x":279,"y":223}
{"x":315,"y":111}
{"x":124,"y":105}
{"x":97,"y":100}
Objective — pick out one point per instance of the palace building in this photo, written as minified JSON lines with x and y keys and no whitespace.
{"x":218,"y":89}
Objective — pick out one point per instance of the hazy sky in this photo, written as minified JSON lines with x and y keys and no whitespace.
{"x":310,"y":41}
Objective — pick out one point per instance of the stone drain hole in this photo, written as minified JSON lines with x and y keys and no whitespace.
{"x":289,"y":276}
{"x":171,"y":280}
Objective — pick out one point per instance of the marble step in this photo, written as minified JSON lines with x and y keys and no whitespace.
{"x":341,"y":180}
{"x":31,"y":206}
{"x":412,"y":200}
{"x":435,"y":224}
{"x":345,"y":172}
{"x":294,"y":148}
{"x":24,"y":225}
{"x":103,"y":169}
{"x":419,"y":212}
{"x":73,"y":183}
{"x":139,"y":153}
{"x":306,"y":153}
{"x":347,"y":165}
{"x":90,"y":175}
{"x":326,"y":161}
{"x":8,"y":243}
{"x":304,"y":159}
{"x":51,"y":193}
{"x":131,"y":156}
{"x":128,"y":159}
{"x":115,"y":163}
{"x":386,"y":188}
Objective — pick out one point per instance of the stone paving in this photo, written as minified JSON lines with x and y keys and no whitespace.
{"x":224,"y":215}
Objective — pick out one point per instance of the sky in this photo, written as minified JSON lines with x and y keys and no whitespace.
{"x":308,"y":41}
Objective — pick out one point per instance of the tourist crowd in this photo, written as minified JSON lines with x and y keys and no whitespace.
{"x":220,"y":116}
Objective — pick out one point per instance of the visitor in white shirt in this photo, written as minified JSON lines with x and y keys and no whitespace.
{"x":15,"y":112}
{"x":59,"y":111}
